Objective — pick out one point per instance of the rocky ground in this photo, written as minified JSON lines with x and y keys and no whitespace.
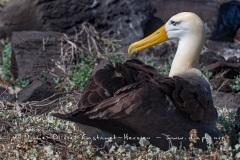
{"x":45,"y":67}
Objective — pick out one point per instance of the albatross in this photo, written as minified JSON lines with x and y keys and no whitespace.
{"x":132,"y":100}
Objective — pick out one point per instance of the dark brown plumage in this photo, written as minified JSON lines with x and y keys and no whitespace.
{"x":132,"y":98}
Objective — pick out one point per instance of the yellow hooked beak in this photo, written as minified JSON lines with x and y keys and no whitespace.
{"x":157,"y":37}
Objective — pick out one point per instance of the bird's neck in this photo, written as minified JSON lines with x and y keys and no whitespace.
{"x":187,"y":55}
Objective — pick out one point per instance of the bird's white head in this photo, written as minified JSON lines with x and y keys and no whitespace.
{"x":183,"y":25}
{"x":188,"y":29}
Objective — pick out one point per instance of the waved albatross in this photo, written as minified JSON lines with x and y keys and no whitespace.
{"x":132,"y":100}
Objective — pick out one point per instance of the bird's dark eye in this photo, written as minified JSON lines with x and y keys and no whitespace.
{"x":174,"y":23}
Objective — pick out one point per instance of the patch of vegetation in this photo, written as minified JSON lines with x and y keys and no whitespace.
{"x":26,"y":136}
{"x":151,"y":62}
{"x":227,"y":126}
{"x":113,"y":45}
{"x":22,"y":82}
{"x":166,"y":67}
{"x":6,"y":60}
{"x":236,"y":86}
{"x":117,"y":58}
{"x":3,"y":2}
{"x":56,"y":81}
{"x":82,"y":73}
{"x":205,"y":72}
{"x":43,"y":76}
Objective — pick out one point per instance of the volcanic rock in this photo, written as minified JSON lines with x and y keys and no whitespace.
{"x":36,"y":55}
{"x":37,"y":91}
{"x":230,"y":101}
{"x":125,"y":19}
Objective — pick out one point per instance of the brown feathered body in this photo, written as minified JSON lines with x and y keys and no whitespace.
{"x":133,"y":100}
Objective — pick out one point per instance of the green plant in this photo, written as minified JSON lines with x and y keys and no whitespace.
{"x":43,"y":76}
{"x":167,"y":67}
{"x":151,"y":62}
{"x":236,"y":85}
{"x":117,"y":58}
{"x":6,"y":53}
{"x":3,"y":2}
{"x":56,"y":81}
{"x":228,"y":126}
{"x":6,"y":60}
{"x":81,"y":74}
{"x":22,"y":82}
{"x":205,"y":72}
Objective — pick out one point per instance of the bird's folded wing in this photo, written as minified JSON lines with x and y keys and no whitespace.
{"x":112,"y":80}
{"x":194,"y":98}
